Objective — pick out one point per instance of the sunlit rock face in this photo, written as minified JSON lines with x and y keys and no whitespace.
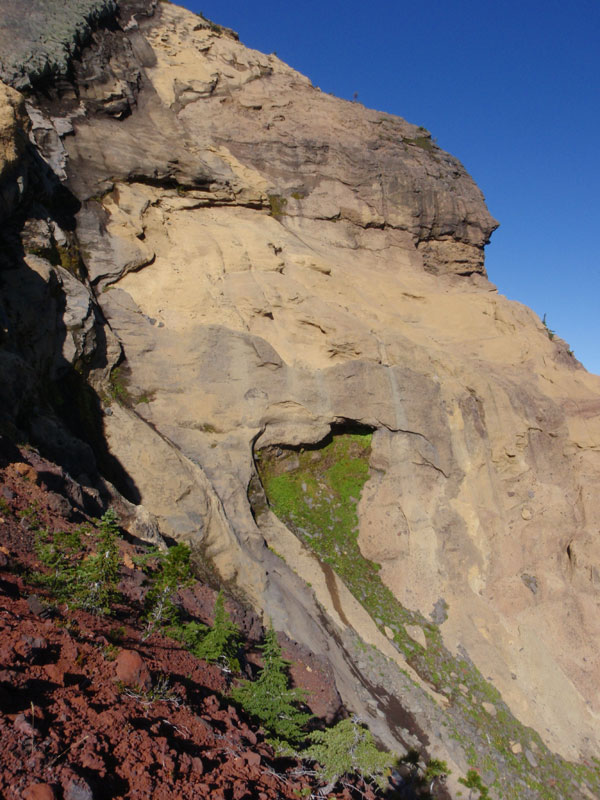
{"x":271,"y":263}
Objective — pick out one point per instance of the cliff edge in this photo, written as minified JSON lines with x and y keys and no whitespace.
{"x":260,"y":314}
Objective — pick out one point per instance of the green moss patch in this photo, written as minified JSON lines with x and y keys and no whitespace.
{"x":424,"y":142}
{"x":315,"y":491}
{"x":277,"y":205}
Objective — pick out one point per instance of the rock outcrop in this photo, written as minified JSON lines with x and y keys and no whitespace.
{"x":39,"y":40}
{"x":237,"y":262}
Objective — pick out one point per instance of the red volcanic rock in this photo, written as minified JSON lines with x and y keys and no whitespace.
{"x":85,"y":740}
{"x":35,"y":605}
{"x":6,"y":676}
{"x":55,"y":673}
{"x":39,"y":791}
{"x":197,"y":765}
{"x":248,"y":734}
{"x":131,"y":669}
{"x":211,"y":703}
{"x":59,"y":504}
{"x":252,"y":758}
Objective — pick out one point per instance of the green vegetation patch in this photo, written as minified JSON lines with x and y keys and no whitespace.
{"x":118,"y":385}
{"x":315,"y":491}
{"x":277,"y":205}
{"x":66,"y":255}
{"x":74,"y":574}
{"x":424,"y":142}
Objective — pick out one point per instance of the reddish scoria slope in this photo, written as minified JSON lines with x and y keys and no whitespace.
{"x":88,"y":710}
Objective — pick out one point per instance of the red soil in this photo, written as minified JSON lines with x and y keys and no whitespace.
{"x":76,"y":722}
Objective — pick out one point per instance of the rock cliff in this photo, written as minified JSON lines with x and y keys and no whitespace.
{"x":219,"y":284}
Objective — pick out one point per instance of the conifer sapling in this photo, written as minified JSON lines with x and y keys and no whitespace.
{"x":270,"y":699}
{"x":222,"y":643}
{"x":173,"y":573}
{"x":348,"y":749}
{"x":98,"y":575}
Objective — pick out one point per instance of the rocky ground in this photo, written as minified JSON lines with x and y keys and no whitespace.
{"x":89,"y":709}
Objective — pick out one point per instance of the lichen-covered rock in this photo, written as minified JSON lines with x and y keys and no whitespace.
{"x":39,"y":39}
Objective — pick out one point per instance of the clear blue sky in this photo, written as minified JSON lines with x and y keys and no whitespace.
{"x":510,"y":87}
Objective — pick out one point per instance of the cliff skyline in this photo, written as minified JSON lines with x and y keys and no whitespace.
{"x":510,"y":90}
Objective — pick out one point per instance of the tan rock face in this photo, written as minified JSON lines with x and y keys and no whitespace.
{"x":13,"y":125}
{"x":317,"y":282}
{"x":12,"y":115}
{"x":274,"y":261}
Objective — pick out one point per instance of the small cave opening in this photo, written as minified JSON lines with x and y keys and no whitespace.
{"x":315,"y":489}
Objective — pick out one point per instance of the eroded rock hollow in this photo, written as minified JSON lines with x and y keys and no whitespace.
{"x":260,"y":314}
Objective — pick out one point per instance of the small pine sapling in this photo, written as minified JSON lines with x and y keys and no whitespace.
{"x":222,"y":642}
{"x":60,"y":553}
{"x":88,"y":582}
{"x":473,"y":782}
{"x":345,"y":750}
{"x":190,"y":633}
{"x":436,"y":771}
{"x":98,"y":574}
{"x":173,"y":573}
{"x":270,"y":699}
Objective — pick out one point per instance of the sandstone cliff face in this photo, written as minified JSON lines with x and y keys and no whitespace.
{"x":268,"y":264}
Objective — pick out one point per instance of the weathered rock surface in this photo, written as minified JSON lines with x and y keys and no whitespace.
{"x":38,"y":40}
{"x":272,"y":261}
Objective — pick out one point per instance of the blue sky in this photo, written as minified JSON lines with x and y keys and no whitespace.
{"x":511,"y":88}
